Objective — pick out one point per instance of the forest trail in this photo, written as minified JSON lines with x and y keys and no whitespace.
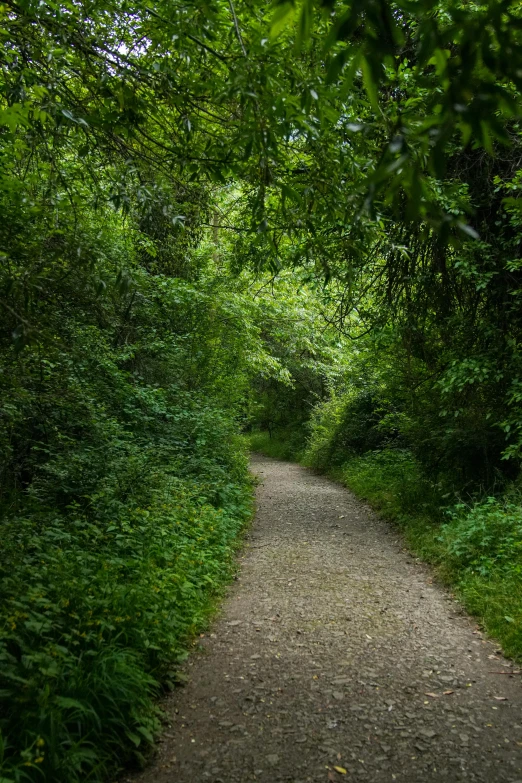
{"x":335,"y":649}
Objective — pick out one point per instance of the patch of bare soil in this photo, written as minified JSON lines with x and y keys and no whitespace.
{"x":336,"y":658}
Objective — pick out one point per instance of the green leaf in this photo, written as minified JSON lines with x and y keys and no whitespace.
{"x":282,"y":18}
{"x":369,"y":83}
{"x":467,"y":229}
{"x":134,"y":738}
{"x":304,"y":24}
{"x":336,"y":65}
{"x":347,"y":82}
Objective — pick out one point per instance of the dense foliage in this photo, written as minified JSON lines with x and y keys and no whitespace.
{"x":301,"y":218}
{"x":123,"y":484}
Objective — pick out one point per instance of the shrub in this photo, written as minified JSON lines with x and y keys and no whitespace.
{"x":349,"y":424}
{"x":285,"y":444}
{"x":485,"y":537}
{"x":96,"y":609}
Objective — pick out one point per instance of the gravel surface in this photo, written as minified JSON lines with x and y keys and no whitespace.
{"x":334,"y":649}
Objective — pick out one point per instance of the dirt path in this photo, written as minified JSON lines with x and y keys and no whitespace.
{"x":335,"y":649}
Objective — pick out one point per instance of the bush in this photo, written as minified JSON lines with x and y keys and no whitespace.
{"x":482,"y":546}
{"x":393,"y":481}
{"x":485,"y":537}
{"x":349,"y":424}
{"x":124,"y":485}
{"x":96,"y":609}
{"x":282,"y":444}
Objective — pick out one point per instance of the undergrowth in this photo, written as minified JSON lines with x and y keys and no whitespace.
{"x":284,"y":444}
{"x":87,"y":645}
{"x":124,"y":486}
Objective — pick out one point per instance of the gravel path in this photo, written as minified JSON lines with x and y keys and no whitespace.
{"x":336,"y":659}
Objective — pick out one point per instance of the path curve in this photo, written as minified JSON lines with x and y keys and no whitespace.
{"x":335,"y":649}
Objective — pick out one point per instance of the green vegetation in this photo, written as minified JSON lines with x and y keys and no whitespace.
{"x":302,"y":220}
{"x":124,"y":488}
{"x":286,"y":445}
